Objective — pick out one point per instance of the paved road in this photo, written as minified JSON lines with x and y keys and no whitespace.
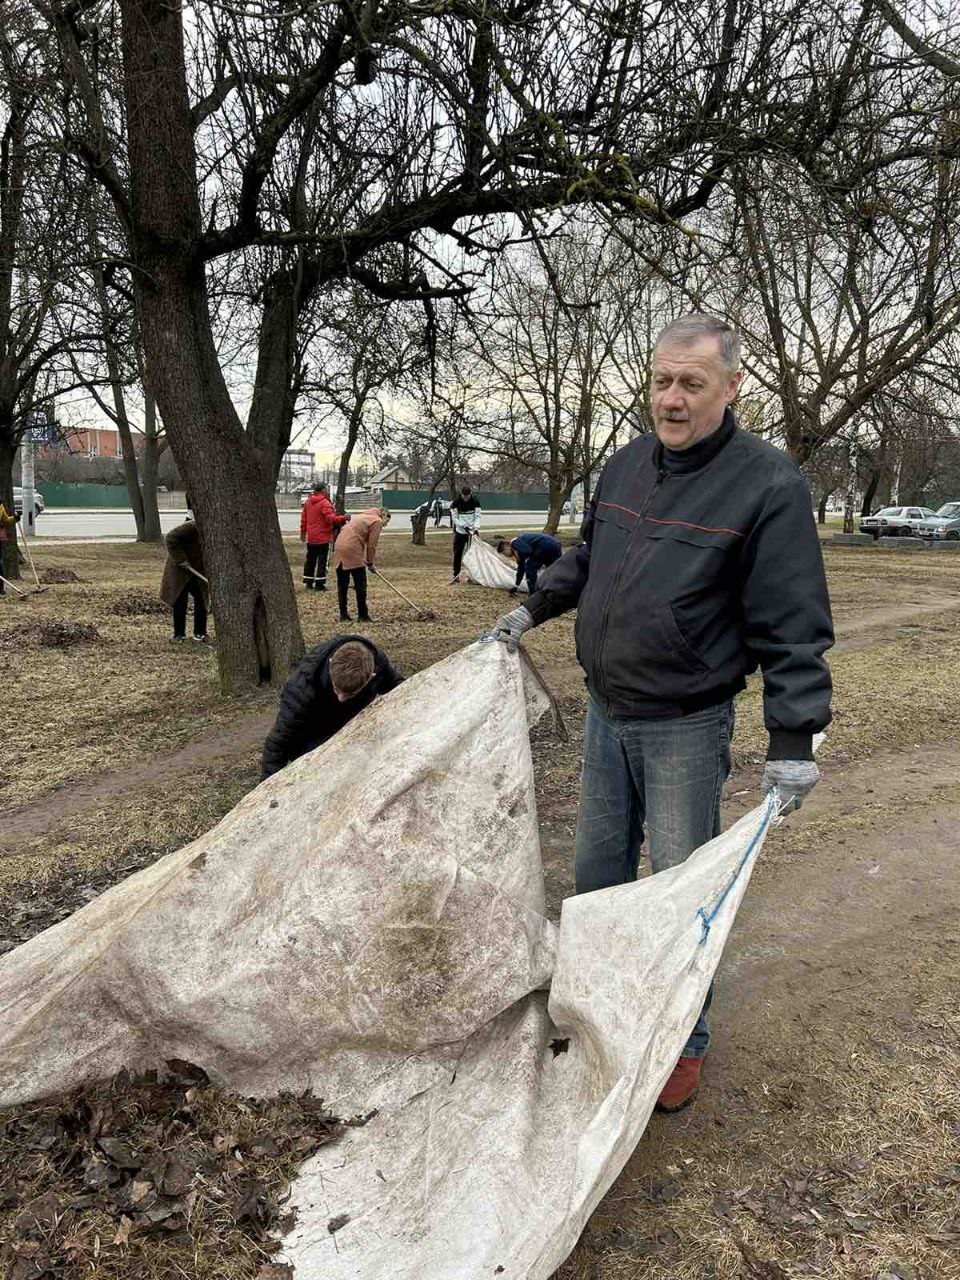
{"x":119,"y":524}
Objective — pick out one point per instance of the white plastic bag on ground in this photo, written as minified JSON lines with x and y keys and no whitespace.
{"x":369,"y":923}
{"x":484,"y":565}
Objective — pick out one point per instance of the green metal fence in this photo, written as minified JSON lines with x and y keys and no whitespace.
{"x":85,"y":495}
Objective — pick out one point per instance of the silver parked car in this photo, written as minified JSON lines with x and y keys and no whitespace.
{"x":18,"y":502}
{"x":896,"y":522}
{"x":945,"y":524}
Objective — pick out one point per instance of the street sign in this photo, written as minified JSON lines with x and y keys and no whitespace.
{"x":41,"y":430}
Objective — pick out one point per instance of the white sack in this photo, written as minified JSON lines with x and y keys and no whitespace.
{"x":485,"y":566}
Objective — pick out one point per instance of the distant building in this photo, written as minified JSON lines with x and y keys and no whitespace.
{"x":92,"y":442}
{"x":296,"y":470}
{"x":394,"y":477}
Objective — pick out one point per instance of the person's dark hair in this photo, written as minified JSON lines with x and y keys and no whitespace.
{"x":351,"y":667}
{"x":465,"y":491}
{"x":319,"y":487}
{"x":505,"y":547}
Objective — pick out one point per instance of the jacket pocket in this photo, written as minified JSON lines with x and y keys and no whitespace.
{"x":676,"y":643}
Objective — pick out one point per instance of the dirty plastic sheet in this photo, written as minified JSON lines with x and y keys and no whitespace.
{"x":345,"y":928}
{"x":369,"y":923}
{"x":484,"y":566}
{"x":495,"y":1170}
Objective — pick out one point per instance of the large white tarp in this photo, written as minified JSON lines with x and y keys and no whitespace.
{"x":369,"y":923}
{"x":483,"y":565}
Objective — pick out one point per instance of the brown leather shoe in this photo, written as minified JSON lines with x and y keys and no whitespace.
{"x":681,"y":1089}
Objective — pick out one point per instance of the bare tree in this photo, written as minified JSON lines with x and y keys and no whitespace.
{"x":43,"y":314}
{"x":561,"y":361}
{"x":361,"y":353}
{"x":481,"y":117}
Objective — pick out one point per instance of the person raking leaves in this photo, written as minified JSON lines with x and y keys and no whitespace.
{"x":184,"y":576}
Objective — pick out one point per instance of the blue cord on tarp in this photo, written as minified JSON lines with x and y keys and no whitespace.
{"x":706,"y":920}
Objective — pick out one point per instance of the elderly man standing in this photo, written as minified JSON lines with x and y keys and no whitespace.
{"x":700,"y":562}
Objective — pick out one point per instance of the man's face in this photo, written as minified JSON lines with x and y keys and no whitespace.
{"x":689,"y":390}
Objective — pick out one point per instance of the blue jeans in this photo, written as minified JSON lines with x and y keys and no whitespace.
{"x":666,"y":775}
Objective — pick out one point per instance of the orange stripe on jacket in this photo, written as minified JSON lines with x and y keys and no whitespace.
{"x":683,"y":524}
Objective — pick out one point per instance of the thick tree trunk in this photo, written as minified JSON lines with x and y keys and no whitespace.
{"x":871,"y":491}
{"x":558,"y":496}
{"x":822,"y":508}
{"x":258,"y":627}
{"x":420,"y":519}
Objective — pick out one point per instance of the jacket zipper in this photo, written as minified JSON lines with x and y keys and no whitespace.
{"x":604,"y":621}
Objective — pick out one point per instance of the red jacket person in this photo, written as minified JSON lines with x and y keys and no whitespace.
{"x":318,"y":528}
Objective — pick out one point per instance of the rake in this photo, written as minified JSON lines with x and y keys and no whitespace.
{"x":424,"y":615}
{"x":23,"y":541}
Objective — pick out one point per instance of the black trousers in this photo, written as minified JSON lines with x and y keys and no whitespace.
{"x":359,"y":585}
{"x":195,"y":589}
{"x":315,"y":566}
{"x":460,"y":541}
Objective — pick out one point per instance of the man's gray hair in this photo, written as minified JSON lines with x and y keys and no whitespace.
{"x":687,"y":330}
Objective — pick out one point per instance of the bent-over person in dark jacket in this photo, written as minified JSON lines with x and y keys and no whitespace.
{"x":700,"y":562}
{"x":332,"y":684}
{"x":184,"y":575}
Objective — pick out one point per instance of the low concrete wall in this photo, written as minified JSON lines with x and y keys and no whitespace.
{"x":852,"y":540}
{"x":902,"y":544}
{"x":941,"y":544}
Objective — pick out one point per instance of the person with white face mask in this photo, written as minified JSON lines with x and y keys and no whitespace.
{"x":700,"y":562}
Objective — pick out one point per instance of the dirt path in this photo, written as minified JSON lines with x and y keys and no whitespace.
{"x":224,"y":745}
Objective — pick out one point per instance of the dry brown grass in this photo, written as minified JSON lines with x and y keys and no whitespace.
{"x":819,"y":1169}
{"x":837,"y":1158}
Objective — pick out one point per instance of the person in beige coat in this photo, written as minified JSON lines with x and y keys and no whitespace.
{"x":354,"y":553}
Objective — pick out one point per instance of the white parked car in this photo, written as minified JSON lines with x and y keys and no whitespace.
{"x":18,"y":502}
{"x":945,"y":524}
{"x":896,"y":522}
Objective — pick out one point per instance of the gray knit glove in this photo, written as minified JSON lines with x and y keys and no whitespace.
{"x":794,"y":779}
{"x":511,"y":627}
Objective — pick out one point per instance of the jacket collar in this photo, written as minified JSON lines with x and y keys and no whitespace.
{"x":704,"y":451}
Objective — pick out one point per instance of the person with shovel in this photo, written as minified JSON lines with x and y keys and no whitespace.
{"x":183,"y":578}
{"x":700,"y":562}
{"x":318,"y":528}
{"x":353,"y":554}
{"x":331,"y":685}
